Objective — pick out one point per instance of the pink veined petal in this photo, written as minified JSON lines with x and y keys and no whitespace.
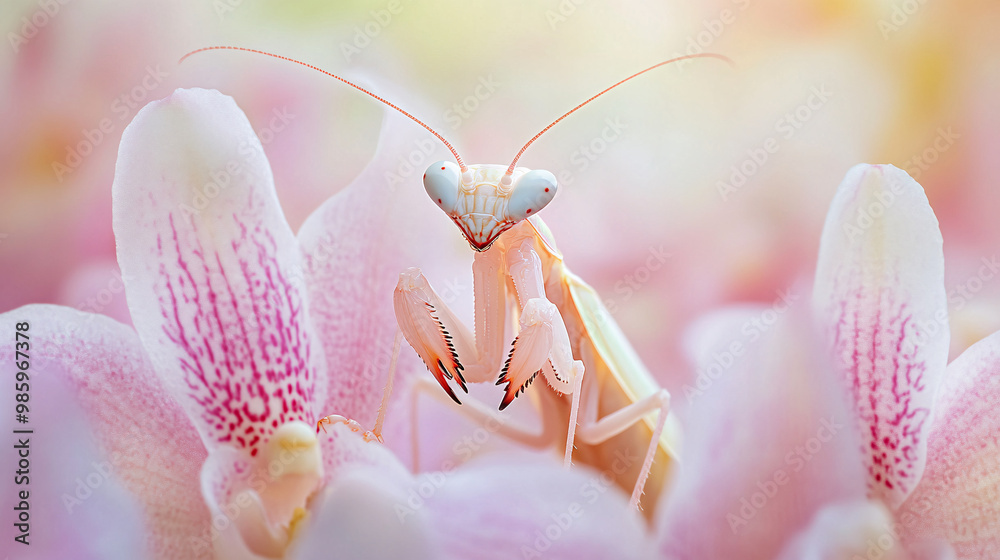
{"x":768,"y":442}
{"x":73,"y":501}
{"x":354,"y":246}
{"x":212,"y":271}
{"x":880,"y":292}
{"x":958,"y":498}
{"x":153,"y":447}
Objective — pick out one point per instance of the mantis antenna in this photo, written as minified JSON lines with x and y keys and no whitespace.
{"x":454,"y":152}
{"x":510,"y":169}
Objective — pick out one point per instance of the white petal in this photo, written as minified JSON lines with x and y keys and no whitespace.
{"x":880,"y":292}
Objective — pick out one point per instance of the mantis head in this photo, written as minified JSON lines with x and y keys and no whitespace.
{"x":484,"y":201}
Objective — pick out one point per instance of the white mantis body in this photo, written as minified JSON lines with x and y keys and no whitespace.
{"x":598,"y":398}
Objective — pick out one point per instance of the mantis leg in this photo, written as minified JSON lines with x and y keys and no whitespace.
{"x":376,"y":431}
{"x":599,"y":431}
{"x":479,"y":413}
{"x":542,"y":343}
{"x":444,"y":343}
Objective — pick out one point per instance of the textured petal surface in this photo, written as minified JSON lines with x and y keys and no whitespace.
{"x":212,"y":270}
{"x":345,"y":450}
{"x":880,"y":290}
{"x":510,"y":506}
{"x":859,"y":529}
{"x":355,"y":246}
{"x":958,"y":498}
{"x":768,"y":444}
{"x":359,"y":519}
{"x":525,"y":506}
{"x":152,"y":446}
{"x":74,"y":504}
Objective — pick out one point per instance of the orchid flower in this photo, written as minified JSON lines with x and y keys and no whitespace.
{"x":853,"y":438}
{"x":245,"y":335}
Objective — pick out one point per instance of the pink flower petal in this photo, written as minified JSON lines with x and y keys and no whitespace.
{"x":880,"y":290}
{"x":154,"y":449}
{"x":345,"y":451}
{"x":858,"y":529}
{"x":212,"y":270}
{"x":958,"y":498}
{"x":355,"y":246}
{"x":493,"y":507}
{"x":768,"y":443}
{"x":73,"y":502}
{"x":226,"y":474}
{"x":527,"y":506}
{"x":359,"y":519}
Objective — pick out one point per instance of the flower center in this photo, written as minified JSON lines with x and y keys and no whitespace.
{"x":290,"y":469}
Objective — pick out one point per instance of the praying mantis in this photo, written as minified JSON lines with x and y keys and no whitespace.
{"x":598,"y":398}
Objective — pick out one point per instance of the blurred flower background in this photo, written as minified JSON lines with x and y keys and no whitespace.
{"x":663,"y":166}
{"x":686,"y":190}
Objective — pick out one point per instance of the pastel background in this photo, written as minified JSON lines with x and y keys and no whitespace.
{"x":668,"y":167}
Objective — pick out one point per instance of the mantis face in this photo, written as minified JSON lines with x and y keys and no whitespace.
{"x":484,"y":202}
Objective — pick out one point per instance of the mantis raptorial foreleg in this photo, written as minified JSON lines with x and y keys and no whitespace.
{"x":542,"y":338}
{"x":441,"y":339}
{"x":542,"y":331}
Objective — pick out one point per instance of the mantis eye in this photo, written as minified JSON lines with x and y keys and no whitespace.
{"x":531,"y":193}
{"x":441,"y":182}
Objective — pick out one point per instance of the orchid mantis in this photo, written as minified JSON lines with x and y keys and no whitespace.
{"x":598,"y":397}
